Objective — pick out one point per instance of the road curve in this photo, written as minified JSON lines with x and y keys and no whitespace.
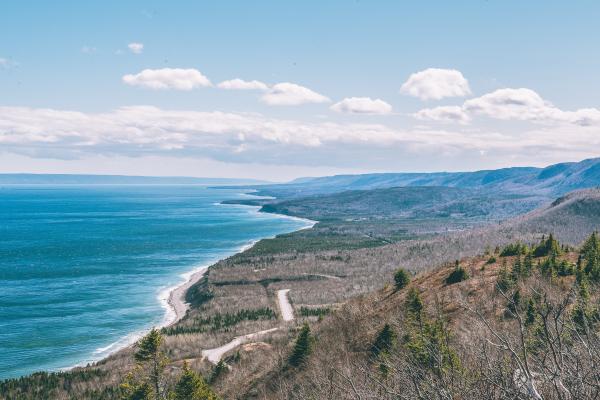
{"x":214,"y":355}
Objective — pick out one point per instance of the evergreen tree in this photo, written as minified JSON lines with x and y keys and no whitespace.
{"x":459,"y":274}
{"x":302,"y":347}
{"x":517,"y":270}
{"x":528,"y":265}
{"x":191,"y":386}
{"x":547,"y":247}
{"x":590,"y":252}
{"x":530,"y":313}
{"x":505,"y":280}
{"x":565,"y":268}
{"x":149,"y":352}
{"x":401,"y":279}
{"x":515,"y":303}
{"x":429,"y":346}
{"x":584,"y":291}
{"x":591,"y":247}
{"x":133,"y":389}
{"x":218,"y":370}
{"x":414,"y":303}
{"x":384,"y":342}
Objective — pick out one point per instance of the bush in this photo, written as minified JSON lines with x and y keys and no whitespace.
{"x":458,"y":275}
{"x":401,"y":279}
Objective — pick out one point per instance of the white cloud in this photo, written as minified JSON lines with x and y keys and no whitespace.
{"x":168,"y":78}
{"x":4,"y":62}
{"x":444,"y":114}
{"x":436,"y":84}
{"x":526,"y":105}
{"x":290,"y":94}
{"x":362,"y":105}
{"x":240,"y":84}
{"x":136,"y":48}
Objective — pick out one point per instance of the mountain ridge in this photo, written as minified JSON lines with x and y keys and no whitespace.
{"x":551,"y":181}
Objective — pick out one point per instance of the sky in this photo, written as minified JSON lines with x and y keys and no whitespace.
{"x":278,"y":90}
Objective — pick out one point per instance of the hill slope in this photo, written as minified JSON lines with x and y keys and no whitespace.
{"x":407,"y":202}
{"x":490,"y":336}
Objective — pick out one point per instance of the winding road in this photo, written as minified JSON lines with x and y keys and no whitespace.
{"x":215,"y":355}
{"x":287,"y":314}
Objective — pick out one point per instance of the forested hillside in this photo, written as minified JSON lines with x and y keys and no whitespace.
{"x":517,"y":322}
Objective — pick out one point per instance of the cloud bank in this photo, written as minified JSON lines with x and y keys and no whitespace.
{"x":253,"y":138}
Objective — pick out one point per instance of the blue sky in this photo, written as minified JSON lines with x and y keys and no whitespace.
{"x":66,"y":106}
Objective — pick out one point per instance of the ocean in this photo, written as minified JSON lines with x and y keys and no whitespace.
{"x":84,"y":270}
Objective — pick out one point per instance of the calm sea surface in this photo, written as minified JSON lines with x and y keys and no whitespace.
{"x":83,"y":269}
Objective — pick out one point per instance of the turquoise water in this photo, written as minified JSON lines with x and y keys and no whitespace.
{"x":82,"y":268}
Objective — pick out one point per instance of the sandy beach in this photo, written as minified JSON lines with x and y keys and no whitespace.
{"x":177,"y":296}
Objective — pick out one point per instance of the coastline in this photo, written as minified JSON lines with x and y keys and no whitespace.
{"x":173,"y":298}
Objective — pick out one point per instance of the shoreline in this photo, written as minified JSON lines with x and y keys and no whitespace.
{"x":172,"y":298}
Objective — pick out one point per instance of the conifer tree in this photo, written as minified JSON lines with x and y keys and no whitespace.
{"x":384,"y":342}
{"x":459,"y":274}
{"x":505,"y":280}
{"x":302,"y":347}
{"x":191,"y":386}
{"x":530,"y":313}
{"x":547,"y":247}
{"x":218,"y":370}
{"x":515,"y":303}
{"x":414,"y":303}
{"x":149,"y":352}
{"x":517,"y":271}
{"x":134,"y":389}
{"x":528,"y":265}
{"x":401,"y":279}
